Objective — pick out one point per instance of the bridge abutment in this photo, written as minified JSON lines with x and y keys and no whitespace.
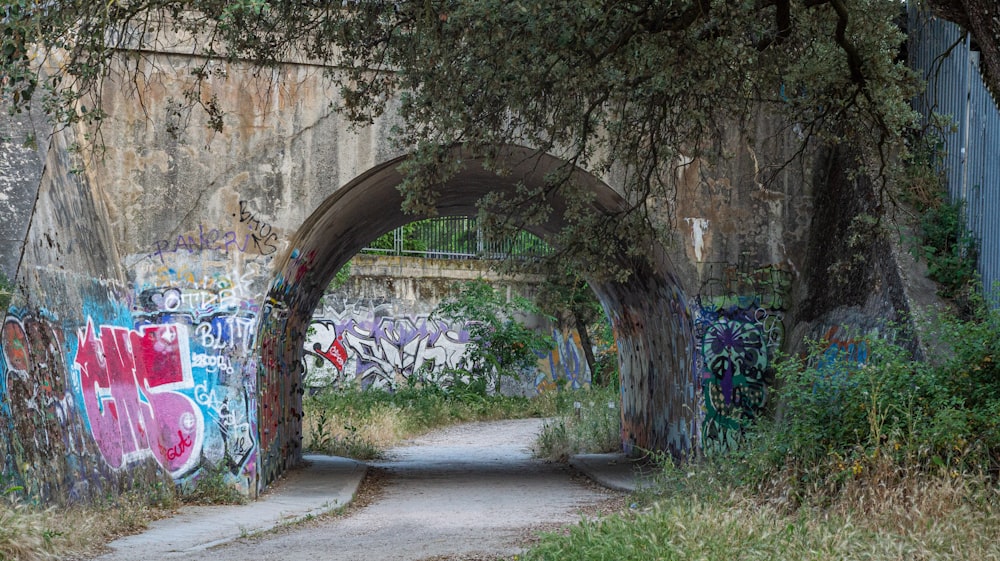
{"x":167,"y":287}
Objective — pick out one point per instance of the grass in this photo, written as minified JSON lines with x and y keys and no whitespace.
{"x":589,"y":421}
{"x":927,"y":517}
{"x":29,"y":533}
{"x":876,"y":458}
{"x":361,"y":424}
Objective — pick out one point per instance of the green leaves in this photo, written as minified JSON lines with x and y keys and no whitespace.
{"x":949,"y":248}
{"x":628,"y":89}
{"x":500,"y":345}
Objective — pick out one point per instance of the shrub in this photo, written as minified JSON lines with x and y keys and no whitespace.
{"x":844,"y":420}
{"x":499,"y":343}
{"x":589,"y":421}
{"x":949,"y":248}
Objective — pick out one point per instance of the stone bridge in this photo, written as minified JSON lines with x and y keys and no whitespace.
{"x":163,"y":283}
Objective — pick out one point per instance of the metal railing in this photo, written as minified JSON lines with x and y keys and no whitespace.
{"x":455,"y":238}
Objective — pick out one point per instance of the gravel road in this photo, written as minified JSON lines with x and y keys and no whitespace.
{"x":469,"y":492}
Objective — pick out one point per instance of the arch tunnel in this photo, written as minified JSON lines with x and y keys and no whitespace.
{"x":651,"y":323}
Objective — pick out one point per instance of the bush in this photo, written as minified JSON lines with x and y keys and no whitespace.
{"x":499,"y":343}
{"x":593,"y":427}
{"x":949,"y":248}
{"x":844,"y":420}
{"x":880,"y":458}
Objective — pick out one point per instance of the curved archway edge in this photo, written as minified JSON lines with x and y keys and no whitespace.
{"x":652,"y":325}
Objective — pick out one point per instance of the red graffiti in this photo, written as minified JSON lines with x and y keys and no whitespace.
{"x":839,"y":343}
{"x":15,"y":346}
{"x":177,"y":451}
{"x":336,"y":354}
{"x":128,"y":379}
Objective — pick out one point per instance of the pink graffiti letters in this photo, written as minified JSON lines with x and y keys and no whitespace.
{"x":129,"y":380}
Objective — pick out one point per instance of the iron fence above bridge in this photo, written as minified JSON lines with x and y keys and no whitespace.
{"x":455,"y":238}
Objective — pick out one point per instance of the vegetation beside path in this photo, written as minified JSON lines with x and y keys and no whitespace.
{"x":881,"y":457}
{"x":869,"y":455}
{"x":358,"y":424}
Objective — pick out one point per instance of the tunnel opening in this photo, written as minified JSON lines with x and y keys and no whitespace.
{"x":442,"y":302}
{"x":651,"y":324}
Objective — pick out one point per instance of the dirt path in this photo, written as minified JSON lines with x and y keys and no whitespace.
{"x":468,"y":492}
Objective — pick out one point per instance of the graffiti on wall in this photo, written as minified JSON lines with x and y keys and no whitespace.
{"x":841,"y":352}
{"x":841,"y":346}
{"x":192,"y":332}
{"x":43,"y":446}
{"x":148,"y":379}
{"x":564,"y":365}
{"x":207,"y":238}
{"x":131,"y":382}
{"x":368,"y":346}
{"x":216,"y":317}
{"x":261,"y":233}
{"x":738,"y":329}
{"x":254,"y":236}
{"x":174,"y":288}
{"x":382,"y":352}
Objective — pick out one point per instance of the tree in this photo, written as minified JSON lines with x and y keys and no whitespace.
{"x":500,"y":345}
{"x":634,"y":88}
{"x":625,"y":86}
{"x":566,"y":296}
{"x":982,"y":19}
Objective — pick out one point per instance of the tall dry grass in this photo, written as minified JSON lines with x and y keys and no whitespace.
{"x":30,"y":533}
{"x":361,"y":424}
{"x":921,"y":517}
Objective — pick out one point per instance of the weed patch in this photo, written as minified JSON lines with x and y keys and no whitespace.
{"x":361,"y":424}
{"x":589,"y":421}
{"x":883,"y":458}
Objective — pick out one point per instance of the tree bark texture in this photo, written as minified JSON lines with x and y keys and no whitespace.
{"x":982,"y":19}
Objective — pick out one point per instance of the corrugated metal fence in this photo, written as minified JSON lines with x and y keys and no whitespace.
{"x":955,"y":87}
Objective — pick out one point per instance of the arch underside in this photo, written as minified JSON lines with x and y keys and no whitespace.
{"x":649,"y":314}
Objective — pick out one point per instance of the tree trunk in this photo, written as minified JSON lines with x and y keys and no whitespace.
{"x":982,"y":19}
{"x":596,"y":380}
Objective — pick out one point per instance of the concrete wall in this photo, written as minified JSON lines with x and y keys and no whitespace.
{"x":23,"y":144}
{"x":167,"y":289}
{"x":377,"y":330}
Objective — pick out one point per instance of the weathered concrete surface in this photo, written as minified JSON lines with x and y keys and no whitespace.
{"x":179,"y":271}
{"x":24,"y":141}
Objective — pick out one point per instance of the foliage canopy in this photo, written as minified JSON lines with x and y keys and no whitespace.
{"x":631,"y":88}
{"x":500,"y":344}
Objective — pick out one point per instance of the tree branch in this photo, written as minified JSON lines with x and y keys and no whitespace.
{"x":854,"y":62}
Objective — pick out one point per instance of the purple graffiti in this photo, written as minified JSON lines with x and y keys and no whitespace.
{"x":208,"y":239}
{"x":385,"y":351}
